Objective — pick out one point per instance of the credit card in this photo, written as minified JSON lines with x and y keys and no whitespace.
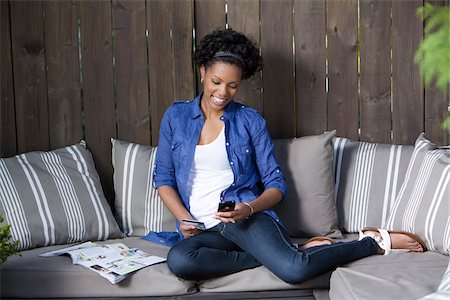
{"x":197,"y":224}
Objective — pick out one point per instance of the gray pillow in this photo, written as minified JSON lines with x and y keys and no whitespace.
{"x":423,"y":203}
{"x":139,"y":209}
{"x":368,"y":178}
{"x":54,"y":197}
{"x":309,"y":208}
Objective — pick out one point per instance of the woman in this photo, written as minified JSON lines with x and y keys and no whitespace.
{"x":212,"y":150}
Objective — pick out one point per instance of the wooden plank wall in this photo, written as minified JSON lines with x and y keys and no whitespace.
{"x":93,"y":70}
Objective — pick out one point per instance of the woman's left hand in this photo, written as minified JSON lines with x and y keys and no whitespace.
{"x":240,"y":212}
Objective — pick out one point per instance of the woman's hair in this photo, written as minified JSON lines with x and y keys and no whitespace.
{"x":231,"y":47}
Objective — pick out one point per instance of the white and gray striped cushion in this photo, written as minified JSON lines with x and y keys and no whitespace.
{"x":139,"y":208}
{"x":423,"y":203}
{"x":368,"y":178}
{"x":54,"y":197}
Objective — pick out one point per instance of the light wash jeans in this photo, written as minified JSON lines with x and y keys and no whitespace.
{"x":260,"y":240}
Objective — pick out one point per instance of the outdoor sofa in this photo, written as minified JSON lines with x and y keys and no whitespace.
{"x":336,"y":187}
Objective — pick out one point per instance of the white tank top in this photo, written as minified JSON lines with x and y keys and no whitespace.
{"x":210,"y":174}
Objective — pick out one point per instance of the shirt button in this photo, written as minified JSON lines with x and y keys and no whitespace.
{"x":233,"y":184}
{"x":242,"y":106}
{"x":221,"y":118}
{"x":278,"y":171}
{"x":231,"y":163}
{"x":228,"y":144}
{"x":247,"y":151}
{"x":187,"y":101}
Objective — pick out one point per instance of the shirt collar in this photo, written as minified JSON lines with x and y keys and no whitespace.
{"x":229,"y":111}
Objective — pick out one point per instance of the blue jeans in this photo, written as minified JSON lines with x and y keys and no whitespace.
{"x":260,"y":240}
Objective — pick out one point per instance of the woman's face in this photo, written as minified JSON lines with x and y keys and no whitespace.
{"x":220,"y":84}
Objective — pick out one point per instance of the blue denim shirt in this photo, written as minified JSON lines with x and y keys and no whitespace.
{"x":248,"y":144}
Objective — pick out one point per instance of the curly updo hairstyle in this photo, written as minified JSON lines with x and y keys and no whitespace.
{"x":231,"y":47}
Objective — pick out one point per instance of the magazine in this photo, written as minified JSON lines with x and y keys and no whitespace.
{"x":114,"y":262}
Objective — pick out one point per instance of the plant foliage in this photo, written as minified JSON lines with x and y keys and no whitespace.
{"x":7,"y":247}
{"x":433,"y":55}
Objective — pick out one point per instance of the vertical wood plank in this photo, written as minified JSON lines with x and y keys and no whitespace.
{"x":243,"y":16}
{"x":375,"y":86}
{"x":278,"y":79}
{"x":159,"y":16}
{"x":342,"y":31}
{"x":63,"y":73}
{"x":209,"y":16}
{"x":8,"y":144}
{"x":408,"y":99}
{"x":130,"y":74}
{"x":28,"y":49}
{"x":99,"y":120}
{"x":310,"y":68}
{"x":435,"y":105}
{"x":182,"y":45}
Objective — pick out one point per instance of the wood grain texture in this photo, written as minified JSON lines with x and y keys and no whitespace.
{"x":342,"y":30}
{"x":130,"y":73}
{"x":63,"y":73}
{"x":30,"y":86}
{"x":98,"y":93}
{"x":160,"y":56}
{"x":209,"y":16}
{"x":243,"y":16}
{"x":408,"y":98}
{"x":278,"y":79}
{"x":182,"y":47}
{"x":310,"y":66}
{"x":375,"y":76}
{"x":8,"y":143}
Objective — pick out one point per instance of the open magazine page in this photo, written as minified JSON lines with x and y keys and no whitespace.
{"x":114,"y":261}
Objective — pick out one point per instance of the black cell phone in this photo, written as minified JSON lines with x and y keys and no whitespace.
{"x":226,"y":206}
{"x":197,"y":224}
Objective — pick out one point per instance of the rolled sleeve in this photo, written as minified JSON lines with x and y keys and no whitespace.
{"x":268,"y":167}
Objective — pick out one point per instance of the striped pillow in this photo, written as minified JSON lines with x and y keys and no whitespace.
{"x":139,"y":209}
{"x":54,"y":197}
{"x":368,"y":177}
{"x":423,"y":202}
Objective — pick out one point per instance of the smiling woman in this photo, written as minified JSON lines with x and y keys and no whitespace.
{"x":214,"y":150}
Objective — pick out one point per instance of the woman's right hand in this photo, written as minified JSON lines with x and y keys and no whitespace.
{"x":188,"y":230}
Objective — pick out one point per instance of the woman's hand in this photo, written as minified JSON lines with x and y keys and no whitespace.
{"x":241,"y":211}
{"x":188,"y":230}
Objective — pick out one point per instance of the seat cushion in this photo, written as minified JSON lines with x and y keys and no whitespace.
{"x":31,"y":276}
{"x":309,"y":208}
{"x":423,"y":203}
{"x":395,"y":276}
{"x":54,"y":198}
{"x":368,"y":178}
{"x":138,"y":207}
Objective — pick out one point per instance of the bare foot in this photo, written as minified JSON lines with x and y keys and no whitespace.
{"x":402,"y":241}
{"x":313,"y":242}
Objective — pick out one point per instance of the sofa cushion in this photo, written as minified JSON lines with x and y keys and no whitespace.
{"x":139,"y":208}
{"x":443,"y":291}
{"x":31,"y":276}
{"x":395,"y":276}
{"x":368,"y":178}
{"x":423,"y":202}
{"x":54,"y":197}
{"x":309,"y":207}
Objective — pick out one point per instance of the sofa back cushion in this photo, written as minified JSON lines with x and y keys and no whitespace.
{"x":54,"y":197}
{"x":368,"y":178}
{"x":139,"y":209}
{"x":423,"y":203}
{"x":309,"y":207}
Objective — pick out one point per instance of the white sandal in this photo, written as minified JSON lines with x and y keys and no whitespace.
{"x":384,"y":239}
